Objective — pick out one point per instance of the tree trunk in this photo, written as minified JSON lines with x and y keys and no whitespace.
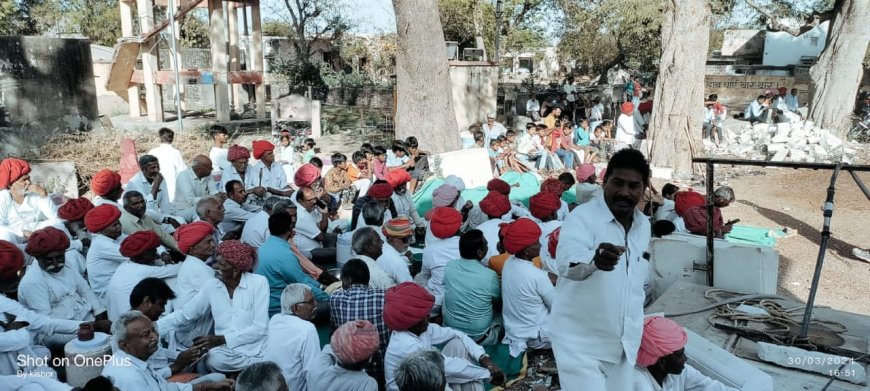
{"x":425,"y":97}
{"x":478,"y":30}
{"x":837,"y":74}
{"x":677,"y":114}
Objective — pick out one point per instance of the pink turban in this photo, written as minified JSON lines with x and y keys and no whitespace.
{"x":238,"y":152}
{"x":584,"y":172}
{"x":261,"y":147}
{"x":306,"y":175}
{"x":398,"y":177}
{"x":237,"y":254}
{"x":139,"y":242}
{"x":105,"y":181}
{"x":544,"y":204}
{"x":11,"y":170}
{"x":101,"y":217}
{"x":445,"y":222}
{"x":189,"y":235}
{"x":11,"y":260}
{"x":400,"y":227}
{"x":499,"y":186}
{"x":495,"y":204}
{"x":46,"y":240}
{"x":355,"y":341}
{"x":444,"y":195}
{"x":75,"y":209}
{"x":627,"y":108}
{"x":661,"y":337}
{"x":405,"y":305}
{"x":380,"y":191}
{"x":519,"y":235}
{"x":553,"y":242}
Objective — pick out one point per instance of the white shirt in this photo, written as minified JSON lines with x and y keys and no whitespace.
{"x":236,"y":215}
{"x":256,"y":230}
{"x":39,"y":324}
{"x":378,"y":278}
{"x":125,"y":279}
{"x":293,"y":344}
{"x":171,"y":163}
{"x":307,"y":229}
{"x":192,"y":274}
{"x":130,"y":373}
{"x":395,"y":265}
{"x":74,"y":259}
{"x":103,"y":201}
{"x":688,"y":380}
{"x":562,"y":213}
{"x":260,"y":175}
{"x":490,"y":230}
{"x":570,"y":90}
{"x":625,"y":131}
{"x":527,"y":294}
{"x":103,"y":259}
{"x":156,"y":208}
{"x":586,"y":191}
{"x":435,"y":258}
{"x":34,"y":213}
{"x":218,"y":158}
{"x":230,"y":174}
{"x":533,"y":106}
{"x":405,"y":207}
{"x":611,"y":322}
{"x":189,"y":189}
{"x":597,"y":114}
{"x":493,"y":132}
{"x":457,"y":370}
{"x":61,"y":295}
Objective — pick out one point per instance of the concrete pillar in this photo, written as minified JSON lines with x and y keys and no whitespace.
{"x":257,"y":57}
{"x":127,"y":31}
{"x":235,"y":62}
{"x":150,"y":65}
{"x":218,"y":38}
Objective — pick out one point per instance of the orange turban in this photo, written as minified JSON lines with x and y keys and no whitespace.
{"x":445,"y":222}
{"x":190,"y":234}
{"x":238,"y":152}
{"x":99,"y":218}
{"x":11,"y":170}
{"x":553,"y":242}
{"x":405,"y":305}
{"x":11,"y":260}
{"x":495,"y":204}
{"x":105,"y":181}
{"x":627,"y":108}
{"x":554,"y":186}
{"x":544,"y":204}
{"x":661,"y":337}
{"x":139,"y":242}
{"x":519,"y":235}
{"x":46,"y":240}
{"x":354,"y":341}
{"x":239,"y":255}
{"x":398,"y":177}
{"x":75,"y":209}
{"x":499,"y":186}
{"x":261,"y":147}
{"x":306,"y":175}
{"x":380,"y":191}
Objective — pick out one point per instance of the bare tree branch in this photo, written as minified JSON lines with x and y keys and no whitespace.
{"x":778,"y":23}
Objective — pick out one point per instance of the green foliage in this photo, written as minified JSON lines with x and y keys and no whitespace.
{"x":522,"y":28}
{"x":277,"y":28}
{"x":100,"y":20}
{"x":194,"y":32}
{"x":372,"y":56}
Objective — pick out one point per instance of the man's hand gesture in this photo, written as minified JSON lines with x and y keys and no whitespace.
{"x":607,"y":256}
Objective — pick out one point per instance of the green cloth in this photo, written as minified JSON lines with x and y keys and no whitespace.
{"x":470,"y":289}
{"x":759,"y":236}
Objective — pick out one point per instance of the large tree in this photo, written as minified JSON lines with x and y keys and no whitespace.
{"x":425,"y":100}
{"x":312,"y":20}
{"x":99,"y":20}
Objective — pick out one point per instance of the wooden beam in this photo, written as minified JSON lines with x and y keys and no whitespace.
{"x":257,"y":56}
{"x":201,"y":77}
{"x":127,"y":31}
{"x":235,"y":63}
{"x":150,"y":64}
{"x":218,"y":39}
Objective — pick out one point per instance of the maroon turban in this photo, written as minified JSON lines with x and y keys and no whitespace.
{"x":190,"y":234}
{"x":519,"y":235}
{"x":495,"y":204}
{"x":139,"y":242}
{"x":405,"y":305}
{"x":99,"y":218}
{"x":783,"y":90}
{"x":261,"y":147}
{"x":46,"y":240}
{"x":239,"y":255}
{"x":11,"y":260}
{"x":544,"y":204}
{"x":445,"y":222}
{"x":661,"y":337}
{"x":75,"y":209}
{"x":380,"y":191}
{"x":627,"y":108}
{"x":306,"y":175}
{"x":398,"y":177}
{"x":238,"y":152}
{"x":11,"y":170}
{"x":499,"y":186}
{"x":105,"y":181}
{"x":554,"y":186}
{"x":355,"y":341}
{"x":553,"y":242}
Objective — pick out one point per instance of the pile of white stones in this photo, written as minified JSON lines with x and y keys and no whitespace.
{"x":799,"y":141}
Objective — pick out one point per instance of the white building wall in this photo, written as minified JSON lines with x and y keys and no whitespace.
{"x":781,"y":48}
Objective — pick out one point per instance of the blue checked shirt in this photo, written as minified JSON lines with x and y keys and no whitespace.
{"x":361,"y":302}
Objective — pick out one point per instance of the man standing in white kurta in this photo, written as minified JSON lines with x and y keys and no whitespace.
{"x":171,"y":161}
{"x":597,"y":317}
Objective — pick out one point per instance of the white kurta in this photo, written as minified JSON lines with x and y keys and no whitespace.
{"x":125,"y":279}
{"x":74,"y":258}
{"x":527,"y":294}
{"x":34,"y":213}
{"x":15,"y":342}
{"x":689,"y":380}
{"x":378,"y":278}
{"x":192,"y":276}
{"x":61,"y":295}
{"x":326,"y":374}
{"x":405,"y":207}
{"x":130,"y":373}
{"x":458,"y":371}
{"x":587,"y":191}
{"x":260,"y":175}
{"x":235,"y":215}
{"x":395,"y":265}
{"x":256,"y":230}
{"x":218,"y":158}
{"x":625,"y":131}
{"x":189,"y":190}
{"x":307,"y":229}
{"x":435,"y":258}
{"x":156,"y":208}
{"x":230,"y":174}
{"x":293,"y":344}
{"x":548,"y":262}
{"x":103,"y":259}
{"x":490,"y":230}
{"x":171,"y":163}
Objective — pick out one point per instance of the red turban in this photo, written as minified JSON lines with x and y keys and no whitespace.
{"x":519,"y":235}
{"x":398,"y":177}
{"x":445,"y":222}
{"x":11,"y":170}
{"x":405,"y":305}
{"x":554,"y":186}
{"x":661,"y":337}
{"x":11,"y":260}
{"x":495,"y":204}
{"x":499,"y":186}
{"x":627,"y":108}
{"x":261,"y":147}
{"x":553,"y":242}
{"x":139,"y":242}
{"x":75,"y":209}
{"x":190,"y":234}
{"x":584,"y":172}
{"x":380,"y":191}
{"x":46,"y":240}
{"x":354,"y":341}
{"x":238,"y":152}
{"x":306,"y":175}
{"x":783,"y":90}
{"x":237,"y":254}
{"x":444,"y":195}
{"x":99,"y":218}
{"x":544,"y":204}
{"x":105,"y":181}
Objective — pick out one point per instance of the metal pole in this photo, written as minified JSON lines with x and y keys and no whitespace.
{"x":497,"y":30}
{"x":860,"y":184}
{"x":823,"y":246}
{"x":710,"y":241}
{"x":171,"y":7}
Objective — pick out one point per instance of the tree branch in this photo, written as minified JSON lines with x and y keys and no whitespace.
{"x":775,"y":23}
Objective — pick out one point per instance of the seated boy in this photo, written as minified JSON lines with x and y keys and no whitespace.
{"x":336,"y":183}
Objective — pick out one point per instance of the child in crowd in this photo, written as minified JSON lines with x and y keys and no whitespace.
{"x":379,"y":163}
{"x":478,"y":139}
{"x":336,"y":182}
{"x":397,"y":156}
{"x":317,"y":163}
{"x":582,"y":139}
{"x":308,"y":150}
{"x":495,"y":158}
{"x":419,"y":163}
{"x":601,"y":142}
{"x":510,"y":147}
{"x":359,"y":173}
{"x":287,"y":156}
